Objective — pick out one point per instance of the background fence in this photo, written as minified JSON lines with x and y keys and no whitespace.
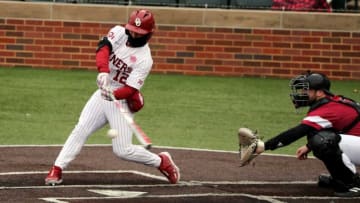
{"x":337,"y":5}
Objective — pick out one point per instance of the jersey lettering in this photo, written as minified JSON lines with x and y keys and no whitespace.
{"x":122,"y":69}
{"x":111,"y":35}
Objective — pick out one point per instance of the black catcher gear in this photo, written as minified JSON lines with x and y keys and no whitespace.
{"x":301,"y":84}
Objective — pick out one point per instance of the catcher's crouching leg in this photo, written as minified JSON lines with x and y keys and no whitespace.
{"x":250,"y":145}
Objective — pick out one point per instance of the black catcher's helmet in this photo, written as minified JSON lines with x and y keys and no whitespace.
{"x":318,"y":81}
{"x":302,"y":83}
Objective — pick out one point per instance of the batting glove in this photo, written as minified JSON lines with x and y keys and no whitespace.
{"x":103,"y":80}
{"x":106,"y":93}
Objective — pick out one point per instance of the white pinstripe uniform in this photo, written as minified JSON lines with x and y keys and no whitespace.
{"x":128,"y":66}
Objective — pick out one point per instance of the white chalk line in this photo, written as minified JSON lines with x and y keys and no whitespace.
{"x":266,"y":198}
{"x":190,"y":182}
{"x":154,"y":146}
{"x":181,"y":183}
{"x":269,"y":198}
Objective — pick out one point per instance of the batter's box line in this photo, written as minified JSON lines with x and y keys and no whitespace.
{"x":87,"y":171}
{"x":272,"y":199}
{"x":148,"y":175}
{"x":181,"y":183}
{"x":246,"y":182}
{"x":167,"y":197}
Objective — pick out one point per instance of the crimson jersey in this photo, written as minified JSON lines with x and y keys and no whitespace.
{"x":334,"y":115}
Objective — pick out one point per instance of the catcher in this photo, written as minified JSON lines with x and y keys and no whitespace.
{"x":332,"y":128}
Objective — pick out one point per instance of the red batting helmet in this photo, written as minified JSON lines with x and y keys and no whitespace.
{"x":141,"y":21}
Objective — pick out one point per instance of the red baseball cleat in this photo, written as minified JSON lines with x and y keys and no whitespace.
{"x":168,"y":168}
{"x":54,"y":176}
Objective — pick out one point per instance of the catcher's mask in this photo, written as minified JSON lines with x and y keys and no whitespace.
{"x":142,"y":22}
{"x":301,"y":85}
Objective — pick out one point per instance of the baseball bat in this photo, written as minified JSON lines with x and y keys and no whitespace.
{"x":139,"y":133}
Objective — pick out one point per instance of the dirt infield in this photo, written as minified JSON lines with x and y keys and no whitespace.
{"x":206,"y":176}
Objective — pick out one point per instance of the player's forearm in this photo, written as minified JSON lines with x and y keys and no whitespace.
{"x":288,"y":137}
{"x":124,"y":92}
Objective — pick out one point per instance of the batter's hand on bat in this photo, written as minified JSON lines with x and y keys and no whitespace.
{"x":102,"y":80}
{"x":302,"y":152}
{"x":107,"y":93}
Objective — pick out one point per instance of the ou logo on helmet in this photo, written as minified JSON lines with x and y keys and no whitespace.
{"x":137,"y":22}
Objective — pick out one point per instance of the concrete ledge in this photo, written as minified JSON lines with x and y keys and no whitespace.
{"x":94,"y":13}
{"x":321,"y":21}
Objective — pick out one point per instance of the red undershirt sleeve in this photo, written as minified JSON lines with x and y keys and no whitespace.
{"x":102,"y":63}
{"x":102,"y":59}
{"x":124,"y":92}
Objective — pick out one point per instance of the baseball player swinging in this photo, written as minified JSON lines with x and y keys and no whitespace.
{"x":124,"y":60}
{"x":332,"y":128}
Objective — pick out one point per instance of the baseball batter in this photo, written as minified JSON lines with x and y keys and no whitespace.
{"x":123,"y":59}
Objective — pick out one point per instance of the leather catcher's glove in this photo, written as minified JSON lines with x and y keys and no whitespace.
{"x":250,"y":145}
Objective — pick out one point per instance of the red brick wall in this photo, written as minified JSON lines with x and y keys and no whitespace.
{"x":187,"y":49}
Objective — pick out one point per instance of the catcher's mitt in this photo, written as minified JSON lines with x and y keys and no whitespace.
{"x":250,"y":145}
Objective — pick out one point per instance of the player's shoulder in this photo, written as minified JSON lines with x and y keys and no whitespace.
{"x":117,"y":29}
{"x":146,"y":48}
{"x":144,"y":56}
{"x":146,"y":52}
{"x":116,"y":35}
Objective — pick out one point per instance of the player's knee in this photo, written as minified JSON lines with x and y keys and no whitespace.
{"x":124,"y":153}
{"x":81,"y":130}
{"x":325,"y":144}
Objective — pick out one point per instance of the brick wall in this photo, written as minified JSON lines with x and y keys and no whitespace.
{"x":187,"y":49}
{"x":256,"y":52}
{"x":49,"y":44}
